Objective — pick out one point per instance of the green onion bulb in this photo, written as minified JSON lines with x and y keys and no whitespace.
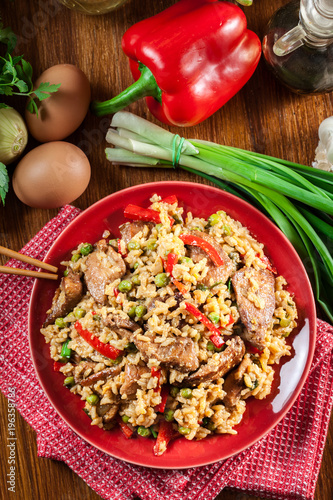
{"x":13,"y":135}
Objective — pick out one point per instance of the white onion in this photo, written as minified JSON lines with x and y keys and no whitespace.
{"x":13,"y":135}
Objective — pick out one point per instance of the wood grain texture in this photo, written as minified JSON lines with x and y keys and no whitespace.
{"x":263,"y":116}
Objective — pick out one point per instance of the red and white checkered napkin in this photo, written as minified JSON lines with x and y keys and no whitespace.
{"x":283,"y":465}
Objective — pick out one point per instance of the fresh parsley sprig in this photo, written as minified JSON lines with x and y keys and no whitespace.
{"x":16,"y":74}
{"x":4,"y":182}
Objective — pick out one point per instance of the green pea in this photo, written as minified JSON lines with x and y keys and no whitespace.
{"x":151,"y":244}
{"x":92,"y":399}
{"x":125,"y":286}
{"x":86,"y":249}
{"x":221,"y":212}
{"x":174,"y":391}
{"x":186,"y":393}
{"x":184,"y":431}
{"x":211,"y":427}
{"x":79,"y":313}
{"x":125,"y":418}
{"x":143,"y":431}
{"x":96,"y":317}
{"x":60,"y":323}
{"x":69,"y":381}
{"x":136,"y":279}
{"x":158,"y":227}
{"x":210,"y":346}
{"x":285,"y":322}
{"x":168,"y":415}
{"x":131,"y":312}
{"x":140,"y":311}
{"x":214,"y":317}
{"x":66,"y":272}
{"x":136,"y":265}
{"x":133,"y":245}
{"x":226,"y":229}
{"x":161,"y":279}
{"x":75,"y":257}
{"x":213,"y":219}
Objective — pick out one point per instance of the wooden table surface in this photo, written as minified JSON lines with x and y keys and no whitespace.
{"x":263,"y":116}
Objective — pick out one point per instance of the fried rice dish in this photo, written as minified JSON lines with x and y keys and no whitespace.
{"x":168,"y":327}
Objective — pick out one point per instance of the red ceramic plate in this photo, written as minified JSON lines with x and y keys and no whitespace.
{"x":260,"y":416}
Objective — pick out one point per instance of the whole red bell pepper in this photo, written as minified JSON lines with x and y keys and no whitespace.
{"x":188,"y":60}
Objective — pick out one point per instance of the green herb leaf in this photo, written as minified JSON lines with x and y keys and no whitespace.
{"x":4,"y":182}
{"x":7,"y":37}
{"x":45,"y":89}
{"x":22,"y":86}
{"x":32,"y":106}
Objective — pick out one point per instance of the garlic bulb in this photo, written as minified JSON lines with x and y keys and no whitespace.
{"x":13,"y":135}
{"x":324,"y":151}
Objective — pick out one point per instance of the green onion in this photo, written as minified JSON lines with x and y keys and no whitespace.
{"x":296,"y":197}
{"x":65,"y":350}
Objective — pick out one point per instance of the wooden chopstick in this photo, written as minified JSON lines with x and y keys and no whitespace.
{"x":28,"y":260}
{"x":27,"y":272}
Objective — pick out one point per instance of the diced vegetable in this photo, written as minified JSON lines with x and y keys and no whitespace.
{"x":69,"y":381}
{"x":126,"y":429}
{"x":165,"y":434}
{"x":143,"y":431}
{"x":86,"y":249}
{"x":105,"y":349}
{"x":172,"y":260}
{"x":216,"y":336}
{"x":190,"y":239}
{"x":65,"y":350}
{"x":92,"y":399}
{"x":135,"y":212}
{"x":164,"y":397}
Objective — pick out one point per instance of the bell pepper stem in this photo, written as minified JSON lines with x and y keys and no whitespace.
{"x":145,"y":86}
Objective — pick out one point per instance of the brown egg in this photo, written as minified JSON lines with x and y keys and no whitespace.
{"x":63,"y":112}
{"x":51,"y":175}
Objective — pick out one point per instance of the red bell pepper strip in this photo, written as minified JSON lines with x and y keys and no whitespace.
{"x":119,"y":248}
{"x":164,"y":396}
{"x":135,"y":212}
{"x":156,"y":372}
{"x":216,"y":334}
{"x":105,"y":349}
{"x":182,"y":288}
{"x":231,"y":320}
{"x":251,"y":349}
{"x":268,"y":263}
{"x":57,"y":365}
{"x":127,"y":431}
{"x":165,"y":434}
{"x":181,"y":89}
{"x":171,"y":200}
{"x":172,"y":260}
{"x":191,"y":239}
